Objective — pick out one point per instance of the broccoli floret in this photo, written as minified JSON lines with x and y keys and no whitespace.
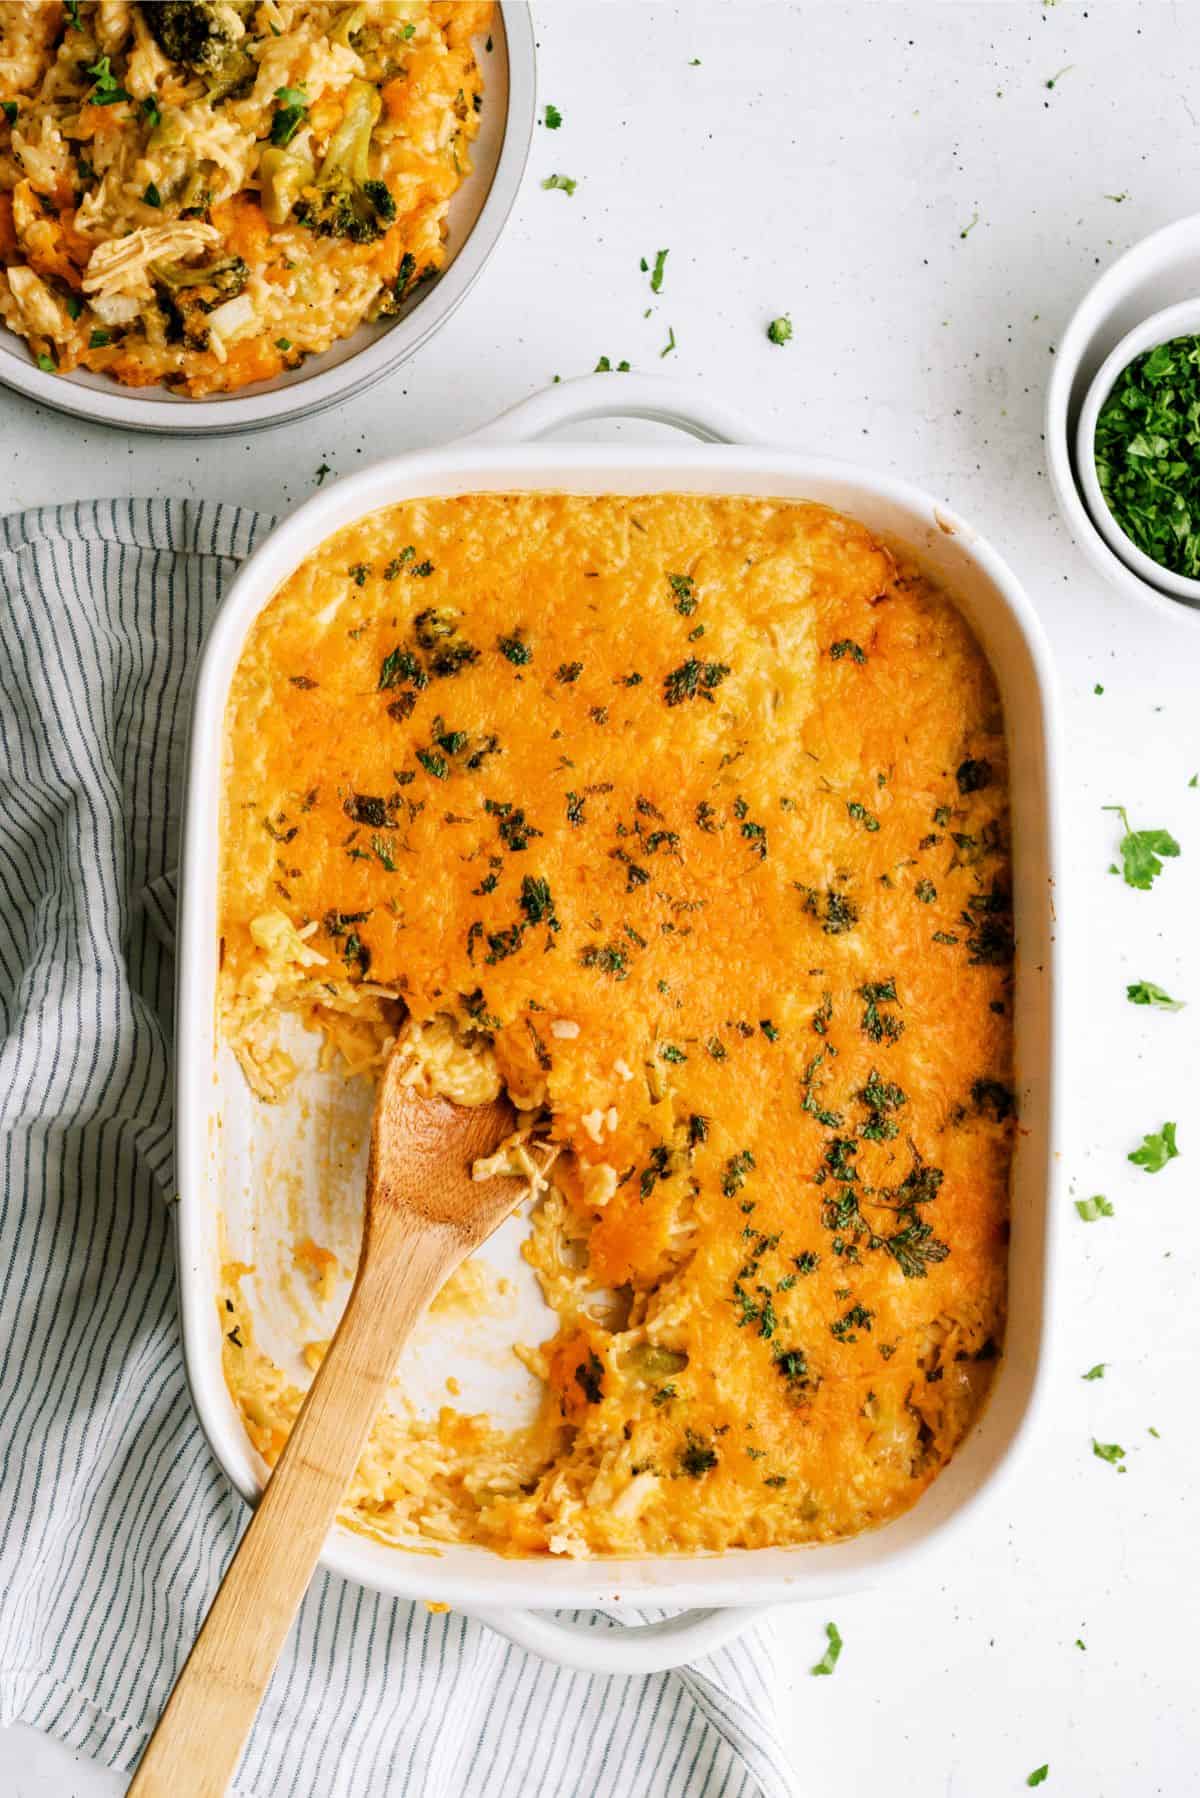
{"x":345,"y":201}
{"x":198,"y":33}
{"x":227,"y":277}
{"x":188,"y":295}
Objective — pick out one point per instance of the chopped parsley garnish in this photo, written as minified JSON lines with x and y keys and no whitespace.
{"x":1041,"y":1774}
{"x":149,"y":109}
{"x":736,"y":1169}
{"x":1147,"y":448}
{"x":1095,"y":1373}
{"x":880,"y":1026}
{"x":656,"y":276}
{"x":1097,"y":1206}
{"x":552,"y":119}
{"x":563,"y":183}
{"x":697,"y":1457}
{"x":151,"y":196}
{"x":693,"y":679}
{"x":609,"y":958}
{"x":858,"y":1317}
{"x":107,"y":90}
{"x":1144,"y":992}
{"x":861,"y":815}
{"x":515,"y":649}
{"x":1158,"y":1147}
{"x":793,"y":1365}
{"x":383,"y":850}
{"x":397,"y":666}
{"x":925,"y":891}
{"x":829,"y":1659}
{"x":683,"y":587}
{"x":537,"y":901}
{"x":1112,"y":1452}
{"x":47,"y":363}
{"x":914,"y":1248}
{"x":1141,"y":852}
{"x":780,"y":329}
{"x":670,"y":343}
{"x":568,"y":672}
{"x":433,"y":763}
{"x":290,"y":114}
{"x":846,"y":647}
{"x":9,"y":109}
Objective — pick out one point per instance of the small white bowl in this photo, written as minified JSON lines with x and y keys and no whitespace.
{"x":1162,"y":327}
{"x":1161,"y":271}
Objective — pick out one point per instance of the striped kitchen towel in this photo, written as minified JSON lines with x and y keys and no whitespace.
{"x":115,"y":1523}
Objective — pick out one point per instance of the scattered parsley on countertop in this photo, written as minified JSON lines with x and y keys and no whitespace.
{"x":1147,"y":461}
{"x":1040,"y":1775}
{"x":1158,"y":1147}
{"x":1097,"y":688}
{"x":780,"y":329}
{"x":1097,"y":1206}
{"x":1144,"y":992}
{"x":564,"y":183}
{"x":1141,"y":852}
{"x":829,"y":1659}
{"x":553,"y":118}
{"x":670,"y":343}
{"x":605,"y":367}
{"x":656,"y":274}
{"x":1053,"y":80}
{"x":1095,"y":1373}
{"x":322,"y":472}
{"x":1112,"y":1452}
{"x":967,"y":229}
{"x":1195,"y":781}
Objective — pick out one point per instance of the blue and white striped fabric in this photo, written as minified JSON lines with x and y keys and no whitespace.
{"x":115,"y":1523}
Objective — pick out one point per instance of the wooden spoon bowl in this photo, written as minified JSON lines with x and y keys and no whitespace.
{"x":424,"y":1214}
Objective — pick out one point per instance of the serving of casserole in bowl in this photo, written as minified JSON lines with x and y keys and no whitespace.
{"x":698,"y":798}
{"x":221,"y":213}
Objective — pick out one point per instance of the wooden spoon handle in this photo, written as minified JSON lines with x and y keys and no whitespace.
{"x":200,"y":1735}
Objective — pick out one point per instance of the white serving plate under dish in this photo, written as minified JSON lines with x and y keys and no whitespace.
{"x":475,"y":220}
{"x":230,"y":1146}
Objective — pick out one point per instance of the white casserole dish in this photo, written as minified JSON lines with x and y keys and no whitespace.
{"x":477,"y":215}
{"x":515,"y":1596}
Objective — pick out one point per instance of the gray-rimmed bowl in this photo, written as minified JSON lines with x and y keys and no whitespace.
{"x":477,"y":216}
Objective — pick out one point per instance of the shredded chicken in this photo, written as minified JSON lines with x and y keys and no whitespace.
{"x":120,"y":266}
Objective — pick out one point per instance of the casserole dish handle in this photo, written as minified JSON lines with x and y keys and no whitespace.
{"x":626,"y":1648}
{"x":652,"y":397}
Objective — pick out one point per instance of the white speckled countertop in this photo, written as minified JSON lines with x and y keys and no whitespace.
{"x":900,"y":178}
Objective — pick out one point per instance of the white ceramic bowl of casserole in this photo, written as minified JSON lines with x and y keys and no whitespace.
{"x":721,"y":1593}
{"x":476,"y":219}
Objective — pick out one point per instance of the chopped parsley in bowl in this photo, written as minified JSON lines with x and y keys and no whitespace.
{"x":1137,"y":452}
{"x":1147,"y":453}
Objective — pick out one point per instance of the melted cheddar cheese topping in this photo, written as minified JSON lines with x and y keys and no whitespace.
{"x":688,"y":816}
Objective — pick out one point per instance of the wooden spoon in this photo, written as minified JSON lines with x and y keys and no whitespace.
{"x":423,"y":1215}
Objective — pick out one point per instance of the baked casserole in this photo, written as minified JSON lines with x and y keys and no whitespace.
{"x":202,"y":193}
{"x":684,"y":820}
